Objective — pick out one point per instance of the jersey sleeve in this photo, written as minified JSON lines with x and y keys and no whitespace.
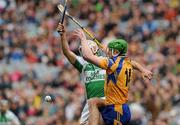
{"x":79,"y":63}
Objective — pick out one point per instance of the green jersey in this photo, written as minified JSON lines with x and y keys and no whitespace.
{"x":92,"y":76}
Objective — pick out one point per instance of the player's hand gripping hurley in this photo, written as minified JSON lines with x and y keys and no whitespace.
{"x":63,"y":15}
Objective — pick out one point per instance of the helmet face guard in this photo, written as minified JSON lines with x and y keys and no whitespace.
{"x":93,"y":46}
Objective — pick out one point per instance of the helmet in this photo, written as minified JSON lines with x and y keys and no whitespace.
{"x":92,"y":45}
{"x":120,"y":45}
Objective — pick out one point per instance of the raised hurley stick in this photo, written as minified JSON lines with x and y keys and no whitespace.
{"x":61,"y":9}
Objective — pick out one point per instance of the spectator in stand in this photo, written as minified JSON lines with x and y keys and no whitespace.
{"x":7,"y":116}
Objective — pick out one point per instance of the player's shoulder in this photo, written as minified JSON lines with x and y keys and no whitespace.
{"x":128,"y":60}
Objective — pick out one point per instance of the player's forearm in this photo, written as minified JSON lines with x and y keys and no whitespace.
{"x":137,"y":66}
{"x":65,"y":46}
{"x":145,"y":72}
{"x":66,"y":50}
{"x":87,"y":53}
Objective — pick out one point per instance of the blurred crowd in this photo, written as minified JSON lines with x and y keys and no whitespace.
{"x":32,"y":64}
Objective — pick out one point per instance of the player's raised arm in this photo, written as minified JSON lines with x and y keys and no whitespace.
{"x":66,"y":50}
{"x":65,"y":47}
{"x":87,"y":53}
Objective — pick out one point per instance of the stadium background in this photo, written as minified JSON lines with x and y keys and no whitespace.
{"x":32,"y":64}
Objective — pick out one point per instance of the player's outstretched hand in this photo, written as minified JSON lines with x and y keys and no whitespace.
{"x":79,"y":34}
{"x":60,"y":29}
{"x":147,"y":74}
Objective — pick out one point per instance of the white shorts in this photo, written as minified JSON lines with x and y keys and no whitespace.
{"x":85,"y":113}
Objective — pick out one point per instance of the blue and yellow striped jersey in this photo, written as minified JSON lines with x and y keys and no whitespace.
{"x":119,"y":72}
